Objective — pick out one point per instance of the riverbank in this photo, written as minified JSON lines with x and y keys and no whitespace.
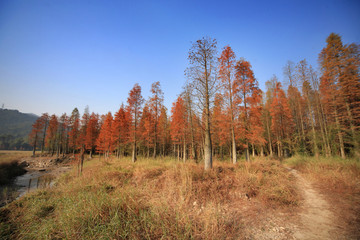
{"x":21,"y":173}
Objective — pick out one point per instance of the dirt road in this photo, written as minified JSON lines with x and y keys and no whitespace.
{"x":317,"y":220}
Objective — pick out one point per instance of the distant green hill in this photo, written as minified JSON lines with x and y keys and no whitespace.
{"x":15,"y":128}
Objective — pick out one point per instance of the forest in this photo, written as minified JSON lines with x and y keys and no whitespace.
{"x":221,"y":113}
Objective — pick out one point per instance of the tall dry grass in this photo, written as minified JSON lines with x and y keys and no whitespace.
{"x":8,"y":156}
{"x":150,"y":199}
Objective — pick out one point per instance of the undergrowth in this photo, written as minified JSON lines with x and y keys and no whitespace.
{"x":150,"y":199}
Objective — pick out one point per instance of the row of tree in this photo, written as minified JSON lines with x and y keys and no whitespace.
{"x":222,"y":112}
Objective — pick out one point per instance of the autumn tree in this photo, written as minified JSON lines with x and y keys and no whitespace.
{"x":92,"y":131}
{"x":221,"y":124}
{"x":156,"y":101}
{"x":227,"y":76}
{"x":350,"y":91}
{"x":74,"y":130}
{"x":247,"y":88}
{"x":303,"y":74}
{"x":164,"y":130}
{"x":51,"y":135}
{"x":188,"y":98}
{"x":135,"y":101}
{"x":83,"y":126}
{"x":34,"y":135}
{"x":62,"y":134}
{"x":266,"y":115}
{"x":297,"y":106}
{"x":121,"y":129}
{"x":255,"y":120}
{"x":105,"y":138}
{"x":178,"y":125}
{"x":202,"y":75}
{"x":146,"y":130}
{"x":332,"y":97}
{"x":281,"y":118}
{"x":45,"y":122}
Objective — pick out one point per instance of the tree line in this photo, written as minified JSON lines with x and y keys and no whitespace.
{"x":221,"y":112}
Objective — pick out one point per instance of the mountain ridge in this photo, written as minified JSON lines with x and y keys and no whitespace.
{"x":15,"y":127}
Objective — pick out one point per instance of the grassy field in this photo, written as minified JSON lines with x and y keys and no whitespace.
{"x":151,"y":199}
{"x":9,"y":166}
{"x":7,"y":156}
{"x":163,"y":198}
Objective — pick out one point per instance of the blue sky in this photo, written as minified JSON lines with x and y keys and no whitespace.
{"x":59,"y":54}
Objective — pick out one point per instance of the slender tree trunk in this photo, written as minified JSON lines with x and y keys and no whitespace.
{"x":269,"y":135}
{"x":316,"y":151}
{"x":178,"y":151}
{"x":353,"y":132}
{"x":341,"y":140}
{"x":148,"y":150}
{"x":155,"y":137}
{"x":233,"y":142}
{"x":193,"y":150}
{"x":174,"y":150}
{"x":43,"y":141}
{"x":35,"y":140}
{"x":302,"y":125}
{"x":321,"y":122}
{"x":325,"y":129}
{"x":81,"y":161}
{"x":253,"y":150}
{"x":247,"y":152}
{"x":134,"y":152}
{"x":278,"y":148}
{"x":184,"y":154}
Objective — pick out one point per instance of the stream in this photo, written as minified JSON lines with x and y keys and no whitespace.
{"x":32,"y":180}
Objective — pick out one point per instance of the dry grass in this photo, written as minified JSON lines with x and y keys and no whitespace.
{"x":9,"y":166}
{"x":7,"y":156}
{"x":152,"y":199}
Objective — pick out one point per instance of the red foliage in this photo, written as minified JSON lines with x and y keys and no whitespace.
{"x":178,"y":121}
{"x":92,"y":131}
{"x":105,"y":139}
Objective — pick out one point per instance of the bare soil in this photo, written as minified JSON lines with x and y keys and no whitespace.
{"x":317,"y":218}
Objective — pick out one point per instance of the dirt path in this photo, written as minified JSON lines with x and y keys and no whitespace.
{"x":317,"y":220}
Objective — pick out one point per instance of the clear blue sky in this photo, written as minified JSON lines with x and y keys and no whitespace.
{"x":59,"y":54}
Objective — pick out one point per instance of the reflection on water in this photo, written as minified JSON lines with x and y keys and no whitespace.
{"x":33,"y":180}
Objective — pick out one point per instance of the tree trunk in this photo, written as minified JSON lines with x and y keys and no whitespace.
{"x":341,"y":140}
{"x":278,"y":147}
{"x":353,"y":132}
{"x":155,"y":140}
{"x":178,"y":151}
{"x":193,"y":150}
{"x":302,"y":126}
{"x":316,"y":151}
{"x":81,"y":161}
{"x":35,"y":140}
{"x":184,"y":154}
{"x":269,"y":135}
{"x":247,"y":152}
{"x":134,"y":152}
{"x":43,"y":141}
